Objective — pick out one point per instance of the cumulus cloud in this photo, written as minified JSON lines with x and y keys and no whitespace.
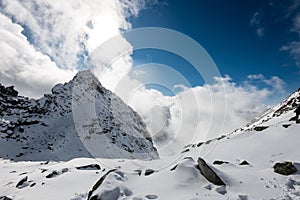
{"x":50,"y":40}
{"x":24,"y":67}
{"x":275,"y":82}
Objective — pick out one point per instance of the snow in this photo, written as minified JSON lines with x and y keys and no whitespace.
{"x":175,"y":177}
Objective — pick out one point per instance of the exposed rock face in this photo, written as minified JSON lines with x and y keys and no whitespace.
{"x":285,"y":168}
{"x":21,"y":182}
{"x":5,"y":198}
{"x":55,"y":126}
{"x":97,"y":185}
{"x":244,"y":162}
{"x":208,"y":173}
{"x":220,"y":162}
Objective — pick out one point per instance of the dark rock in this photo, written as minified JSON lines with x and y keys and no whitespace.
{"x":97,"y":185}
{"x":220,"y":162}
{"x":208,"y":141}
{"x":244,"y":162}
{"x":151,"y":196}
{"x":208,"y":173}
{"x":286,"y":125}
{"x":149,"y":172}
{"x":64,"y":170}
{"x":297,"y":111}
{"x":173,"y":168}
{"x":20,"y":154}
{"x":186,"y":150}
{"x":286,"y":168}
{"x":45,"y":163}
{"x":11,"y":91}
{"x":89,"y":167}
{"x":243,"y":197}
{"x":33,"y":184}
{"x":138,"y":171}
{"x":5,"y":198}
{"x":221,"y":190}
{"x":260,"y":128}
{"x":199,"y":144}
{"x":21,"y":182}
{"x":52,"y":174}
{"x":293,"y":118}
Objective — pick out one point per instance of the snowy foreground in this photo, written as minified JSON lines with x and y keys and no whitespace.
{"x":269,"y":139}
{"x":47,"y":148}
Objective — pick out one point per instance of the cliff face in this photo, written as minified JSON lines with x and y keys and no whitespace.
{"x":78,"y":119}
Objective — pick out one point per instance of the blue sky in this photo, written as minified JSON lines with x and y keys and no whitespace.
{"x":229,"y":31}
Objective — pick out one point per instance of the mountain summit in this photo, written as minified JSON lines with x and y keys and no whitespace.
{"x":78,"y":119}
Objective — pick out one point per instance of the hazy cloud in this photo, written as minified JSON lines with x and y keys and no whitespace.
{"x":294,"y":47}
{"x":198,"y":113}
{"x":255,"y":22}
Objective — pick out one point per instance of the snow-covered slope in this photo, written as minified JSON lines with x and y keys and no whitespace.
{"x":79,"y":119}
{"x":244,"y":160}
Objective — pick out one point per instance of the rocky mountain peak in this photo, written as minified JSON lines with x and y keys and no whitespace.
{"x":78,"y":119}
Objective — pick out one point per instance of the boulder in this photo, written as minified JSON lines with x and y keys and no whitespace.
{"x":220,"y":162}
{"x":285,"y":168}
{"x":149,"y":172}
{"x":21,"y":182}
{"x":5,"y":198}
{"x":89,"y":167}
{"x":244,"y":162}
{"x":209,"y":173}
{"x":11,"y":91}
{"x":260,"y":128}
{"x":97,"y":185}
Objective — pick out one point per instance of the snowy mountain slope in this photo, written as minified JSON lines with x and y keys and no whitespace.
{"x":288,"y":104}
{"x":249,"y":158}
{"x":245,"y":161}
{"x":54,"y":126}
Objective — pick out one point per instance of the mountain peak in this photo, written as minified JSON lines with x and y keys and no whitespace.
{"x":85,"y":75}
{"x":79,"y":119}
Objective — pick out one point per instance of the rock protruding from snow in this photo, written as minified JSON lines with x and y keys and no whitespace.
{"x":208,"y":173}
{"x":285,"y":168}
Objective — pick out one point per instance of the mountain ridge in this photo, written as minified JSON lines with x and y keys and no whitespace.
{"x":47,"y":127}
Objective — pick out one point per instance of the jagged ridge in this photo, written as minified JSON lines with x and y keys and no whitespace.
{"x":49,"y":127}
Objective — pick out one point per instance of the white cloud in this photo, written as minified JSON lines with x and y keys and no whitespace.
{"x":260,"y":32}
{"x":24,"y":67}
{"x":294,"y":50}
{"x":198,"y":113}
{"x":255,"y":22}
{"x":294,"y":47}
{"x":276,"y":83}
{"x":48,"y":41}
{"x":64,"y":30}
